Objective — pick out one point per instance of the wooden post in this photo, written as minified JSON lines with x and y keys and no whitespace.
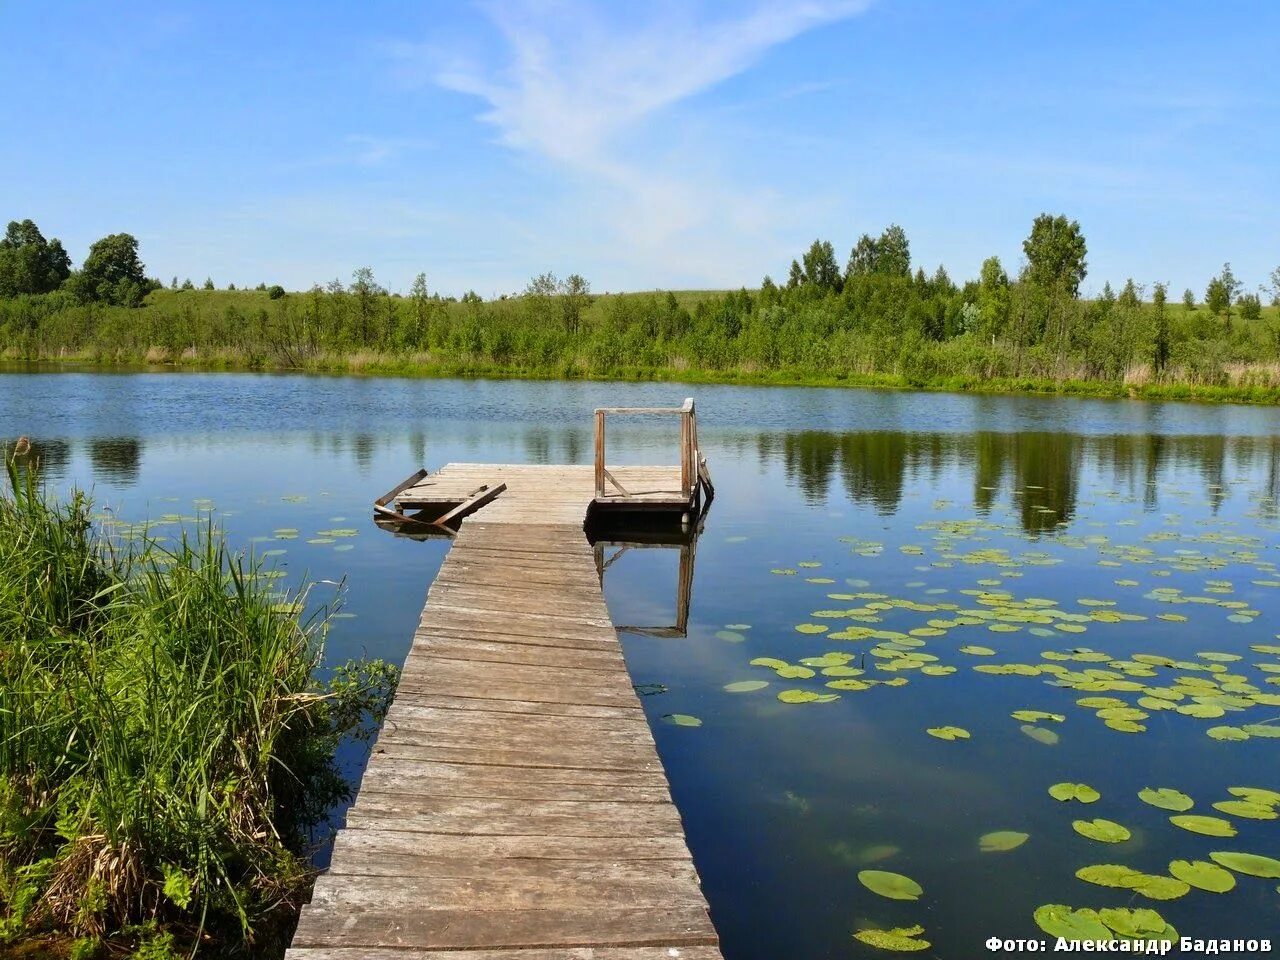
{"x":684,"y":455}
{"x":684,"y":586}
{"x":599,"y":453}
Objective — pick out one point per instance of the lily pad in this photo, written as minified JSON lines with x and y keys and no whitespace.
{"x":745,"y":686}
{"x":899,"y":939}
{"x":1227,"y":733}
{"x":895,"y":886}
{"x":682,"y":720}
{"x":1166,"y":798}
{"x":948,"y":733}
{"x":806,"y":696}
{"x":1001,"y":841}
{"x":1040,"y":734}
{"x":1256,"y":795}
{"x":1104,"y":831}
{"x":1250,"y":864}
{"x":1059,"y":920}
{"x":1203,"y":875}
{"x":1209,"y":826}
{"x":1074,"y":791}
{"x":1247,"y":809}
{"x":1139,"y":924}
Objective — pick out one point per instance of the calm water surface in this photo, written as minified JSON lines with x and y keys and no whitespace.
{"x":1088,"y":531}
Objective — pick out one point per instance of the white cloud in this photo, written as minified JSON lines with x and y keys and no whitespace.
{"x":586,"y":87}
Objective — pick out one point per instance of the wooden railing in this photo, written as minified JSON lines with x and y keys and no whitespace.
{"x":693,"y":468}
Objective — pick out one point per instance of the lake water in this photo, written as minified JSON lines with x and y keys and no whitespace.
{"x":1032,"y":538}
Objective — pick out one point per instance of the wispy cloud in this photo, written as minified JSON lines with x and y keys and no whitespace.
{"x":587,"y":87}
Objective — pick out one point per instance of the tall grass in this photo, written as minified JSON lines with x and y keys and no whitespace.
{"x":165,"y":744}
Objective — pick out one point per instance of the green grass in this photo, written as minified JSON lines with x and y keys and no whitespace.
{"x":165,"y":742}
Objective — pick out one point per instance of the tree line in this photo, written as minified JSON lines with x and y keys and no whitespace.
{"x":876,"y":315}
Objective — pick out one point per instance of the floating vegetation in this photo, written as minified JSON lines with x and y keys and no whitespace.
{"x":682,"y":720}
{"x":1059,"y":920}
{"x":1074,"y":791}
{"x":1250,"y":864}
{"x":1001,"y":841}
{"x":895,"y":886}
{"x":1126,"y":878}
{"x":948,"y":733}
{"x":745,"y":686}
{"x":1209,"y":826}
{"x":900,"y":939}
{"x":1166,"y":798}
{"x":1104,"y":831}
{"x":1203,"y":875}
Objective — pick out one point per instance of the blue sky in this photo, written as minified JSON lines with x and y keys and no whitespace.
{"x":657,"y":145}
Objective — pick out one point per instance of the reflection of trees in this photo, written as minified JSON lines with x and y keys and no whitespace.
{"x":810,"y":459}
{"x":51,"y":456}
{"x":874,"y":467}
{"x":116,"y":459}
{"x":1050,"y":461}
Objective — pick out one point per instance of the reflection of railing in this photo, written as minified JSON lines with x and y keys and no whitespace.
{"x":693,"y":466}
{"x":686,"y":542}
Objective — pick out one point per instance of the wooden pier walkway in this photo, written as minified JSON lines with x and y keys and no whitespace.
{"x":514,"y":807}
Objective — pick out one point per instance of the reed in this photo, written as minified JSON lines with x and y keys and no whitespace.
{"x":166,"y":742}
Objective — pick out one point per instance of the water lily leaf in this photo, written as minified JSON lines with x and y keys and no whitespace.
{"x":682,"y":720}
{"x":1203,"y":875}
{"x":745,"y":686}
{"x":977,"y":651}
{"x":1227,"y":733}
{"x":1104,"y":831}
{"x":811,"y":628}
{"x":899,"y":939}
{"x":1032,"y":716}
{"x":1117,"y":875}
{"x":849,"y":684}
{"x":892,"y":885}
{"x":948,"y":733}
{"x":1166,"y":798}
{"x":1001,"y":841}
{"x":1058,"y":920}
{"x":730,"y":636}
{"x":1256,"y":795}
{"x":1139,"y":924}
{"x":806,"y":696}
{"x":1209,"y":826}
{"x":1040,"y":734}
{"x":1074,"y":791}
{"x":789,"y":672}
{"x":771,"y":662}
{"x":1250,"y":864}
{"x":1247,"y":809}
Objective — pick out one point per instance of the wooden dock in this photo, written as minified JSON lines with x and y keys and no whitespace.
{"x":514,"y":807}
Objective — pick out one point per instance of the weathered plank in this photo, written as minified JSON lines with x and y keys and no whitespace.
{"x":514,"y":807}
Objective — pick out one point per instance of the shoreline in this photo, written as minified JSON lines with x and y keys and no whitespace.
{"x":378,"y":366}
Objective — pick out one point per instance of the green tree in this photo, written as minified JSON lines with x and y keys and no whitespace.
{"x":575,"y":297}
{"x":112,"y":273}
{"x":1275,"y":287}
{"x":820,"y":269}
{"x":1055,"y":251}
{"x":993,"y":299}
{"x":208,"y":283}
{"x":29,"y":263}
{"x":1250,"y":307}
{"x":795,"y":276}
{"x":893,"y":253}
{"x":1160,"y":320}
{"x":366,"y":291}
{"x":1221,"y":294}
{"x":864,"y":258}
{"x":1188,"y":300}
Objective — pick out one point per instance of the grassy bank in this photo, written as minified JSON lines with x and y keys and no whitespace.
{"x":166,"y":744}
{"x":876,"y":331}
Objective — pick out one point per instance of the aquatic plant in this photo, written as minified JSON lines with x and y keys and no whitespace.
{"x":166,"y":742}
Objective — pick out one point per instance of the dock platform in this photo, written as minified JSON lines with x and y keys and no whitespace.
{"x":514,"y":807}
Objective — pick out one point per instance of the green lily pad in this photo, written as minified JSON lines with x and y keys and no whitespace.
{"x":806,"y":696}
{"x":1166,"y":798}
{"x":745,"y":686}
{"x":1059,"y":920}
{"x":977,"y":651}
{"x":1250,"y":864}
{"x":811,"y":628}
{"x":1001,"y":841}
{"x":1126,"y":878}
{"x":682,"y":720}
{"x":1139,"y":924}
{"x":1074,"y":791}
{"x":730,"y":636}
{"x":1227,"y":733}
{"x":899,"y":939}
{"x":1034,"y":716}
{"x":1256,"y":795}
{"x":1203,"y":875}
{"x":1209,"y":826}
{"x":1040,"y":734}
{"x":772,"y":663}
{"x":892,"y":885}
{"x":948,"y":733}
{"x":1247,"y":809}
{"x":1104,"y":831}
